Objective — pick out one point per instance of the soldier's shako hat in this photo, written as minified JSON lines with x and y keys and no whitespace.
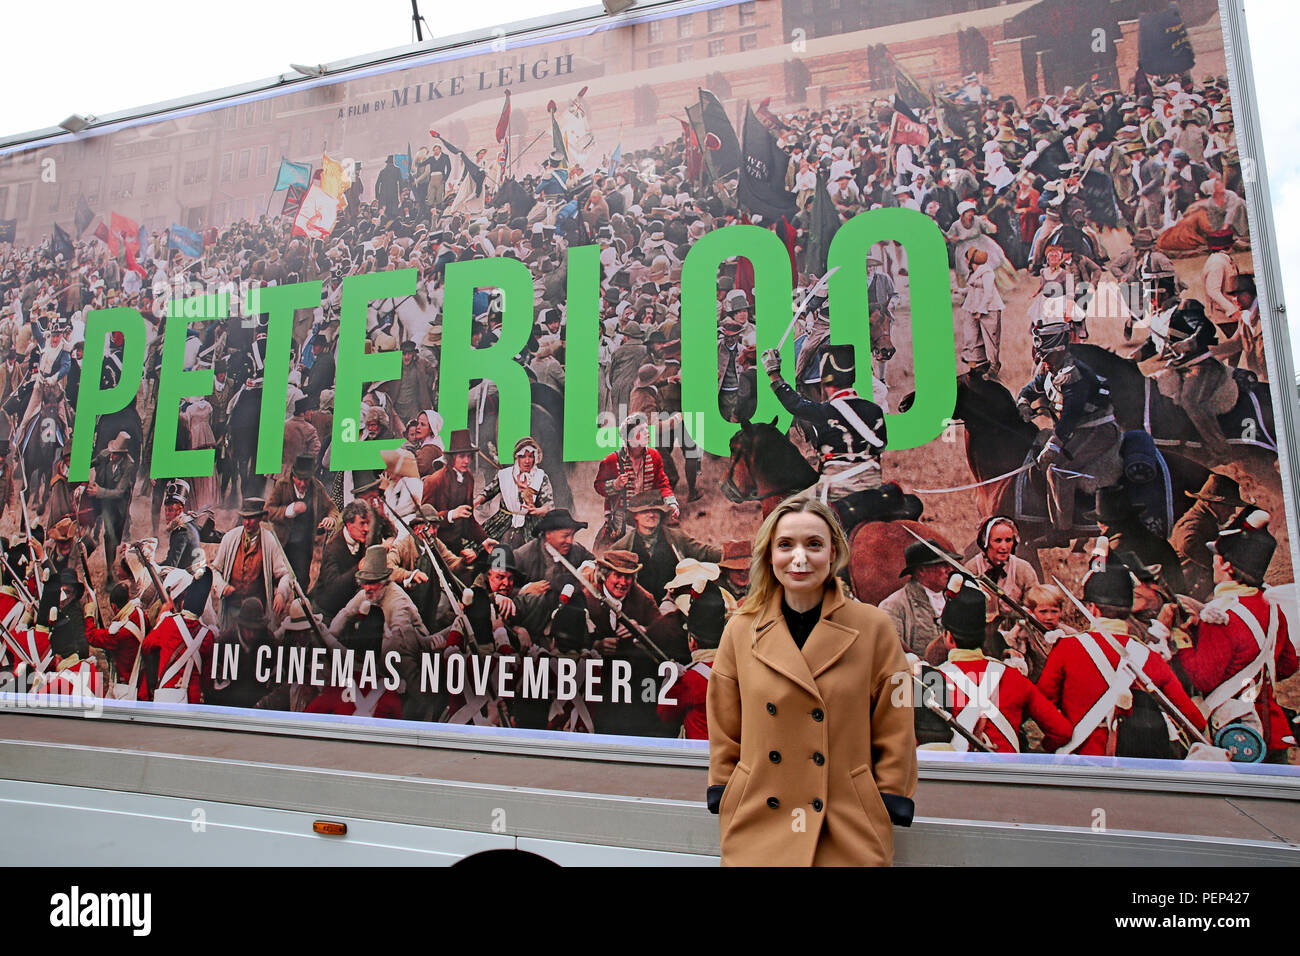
{"x":1050,"y":337}
{"x":1111,"y":585}
{"x":707,"y":617}
{"x":374,"y":566}
{"x":196,"y":595}
{"x":1114,"y":506}
{"x":965,"y":611}
{"x":69,"y":581}
{"x":1249,"y":549}
{"x":176,"y":491}
{"x":558,"y":519}
{"x":838,"y":366}
{"x":570,"y":627}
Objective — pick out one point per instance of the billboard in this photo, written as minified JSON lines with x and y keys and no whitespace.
{"x":453,"y":390}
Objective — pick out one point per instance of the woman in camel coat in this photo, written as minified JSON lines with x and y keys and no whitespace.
{"x":811,"y":743}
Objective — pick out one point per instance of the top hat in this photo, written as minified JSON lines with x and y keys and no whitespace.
{"x":374,"y":566}
{"x":1113,"y":505}
{"x":559,"y":519}
{"x":304,"y":466}
{"x":919,"y":555}
{"x":459,"y":443}
{"x":1219,"y":489}
{"x":965,"y":612}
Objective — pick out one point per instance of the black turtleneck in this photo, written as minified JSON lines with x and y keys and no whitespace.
{"x":800,"y":623}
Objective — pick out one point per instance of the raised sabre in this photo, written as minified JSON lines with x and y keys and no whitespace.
{"x":821,"y":285}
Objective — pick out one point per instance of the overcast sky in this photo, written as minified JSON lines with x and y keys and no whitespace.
{"x":96,"y":58}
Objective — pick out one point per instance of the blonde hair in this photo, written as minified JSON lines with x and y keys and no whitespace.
{"x":1041,"y":594}
{"x":762,"y":582}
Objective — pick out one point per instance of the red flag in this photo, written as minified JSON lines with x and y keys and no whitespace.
{"x":103,"y":235}
{"x":904,"y":130}
{"x":694,"y":158}
{"x":118,"y":225}
{"x":132,"y":264}
{"x":503,"y":124}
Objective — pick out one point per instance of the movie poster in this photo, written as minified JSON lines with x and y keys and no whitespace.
{"x":456,"y":389}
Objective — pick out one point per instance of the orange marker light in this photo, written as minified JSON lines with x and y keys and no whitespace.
{"x":329,"y":827}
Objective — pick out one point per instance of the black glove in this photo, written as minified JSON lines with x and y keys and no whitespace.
{"x":713,"y":796}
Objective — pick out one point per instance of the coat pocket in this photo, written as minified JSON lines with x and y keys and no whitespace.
{"x":734,"y":792}
{"x":864,"y":785}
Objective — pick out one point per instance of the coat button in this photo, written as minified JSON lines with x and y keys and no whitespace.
{"x":818,"y":759}
{"x":818,"y":715}
{"x":773,"y":802}
{"x":817,"y":805}
{"x":771,"y":708}
{"x":774,"y":756}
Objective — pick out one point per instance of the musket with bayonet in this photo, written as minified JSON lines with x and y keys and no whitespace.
{"x":85,"y":567}
{"x":163,"y":600}
{"x":19,"y":586}
{"x":929,"y":702}
{"x":1147,"y":684}
{"x":638,"y":632}
{"x":457,"y":607}
{"x":1016,"y":607}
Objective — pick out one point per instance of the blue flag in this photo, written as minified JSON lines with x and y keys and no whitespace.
{"x":292,"y":174}
{"x":189,"y":242}
{"x":616,"y":158}
{"x":403,"y":163}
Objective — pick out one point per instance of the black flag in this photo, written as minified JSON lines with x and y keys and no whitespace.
{"x":83,"y":216}
{"x":902,"y":107}
{"x":909,"y":91}
{"x":821,"y":227}
{"x":8,"y":229}
{"x":762,"y":173}
{"x":721,"y":147}
{"x":1163,"y":46}
{"x":62,"y":243}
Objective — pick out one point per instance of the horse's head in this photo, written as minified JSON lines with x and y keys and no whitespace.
{"x":51,"y":393}
{"x":739,"y":486}
{"x":882,"y":341}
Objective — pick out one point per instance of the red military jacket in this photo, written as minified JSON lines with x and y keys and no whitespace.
{"x":74,"y":677}
{"x":121,"y":639}
{"x":1013,"y":696}
{"x":166,"y":642}
{"x":689,"y":694}
{"x":1223,"y":650}
{"x":30,"y":646}
{"x":1072,"y":682}
{"x":371,"y":702}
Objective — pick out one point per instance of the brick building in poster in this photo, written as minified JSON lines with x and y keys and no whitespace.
{"x":214,"y":167}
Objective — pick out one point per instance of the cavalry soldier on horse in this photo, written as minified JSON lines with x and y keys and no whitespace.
{"x":849,"y":429}
{"x":1082,"y":453}
{"x":1202,"y":386}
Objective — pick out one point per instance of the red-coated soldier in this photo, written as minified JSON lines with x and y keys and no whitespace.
{"x":1111,"y":715}
{"x":1243,"y":645}
{"x":704,"y":623}
{"x":990,"y":698}
{"x":121,"y":640}
{"x":178,"y":651}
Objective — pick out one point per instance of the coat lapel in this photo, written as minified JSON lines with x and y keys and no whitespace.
{"x":828,"y":640}
{"x":776,"y":648}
